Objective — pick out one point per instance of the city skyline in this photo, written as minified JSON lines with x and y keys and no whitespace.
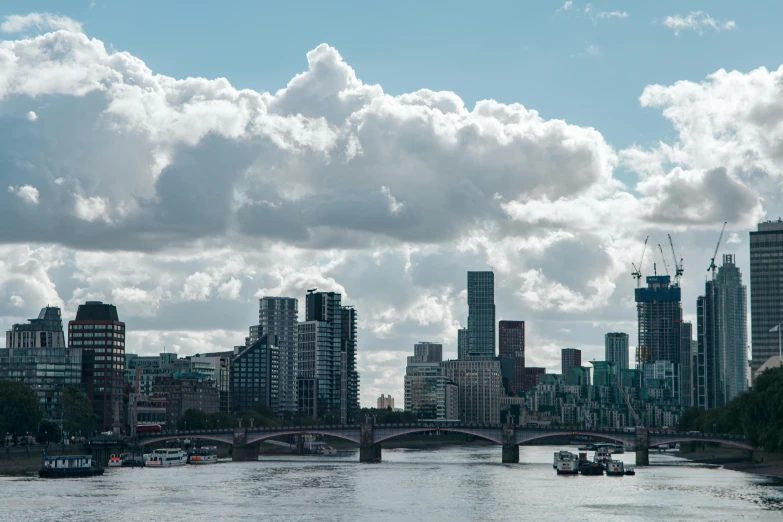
{"x":184,"y":222}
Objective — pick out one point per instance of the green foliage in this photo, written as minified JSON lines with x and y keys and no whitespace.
{"x":78,"y":417}
{"x":19,"y":411}
{"x":388,"y":416}
{"x":757,"y":414}
{"x":49,"y":432}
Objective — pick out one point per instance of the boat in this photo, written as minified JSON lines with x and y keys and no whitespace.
{"x":115,"y":461}
{"x":630,"y":471}
{"x":618,"y":448}
{"x":166,"y":458}
{"x":602,"y":455}
{"x":203,"y":455}
{"x":68,"y":466}
{"x":567,"y":463}
{"x":320,"y":448}
{"x":559,"y":455}
{"x":591,"y":468}
{"x":615,"y":468}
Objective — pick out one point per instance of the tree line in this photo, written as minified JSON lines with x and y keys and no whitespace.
{"x":20,"y":414}
{"x":756,"y":414}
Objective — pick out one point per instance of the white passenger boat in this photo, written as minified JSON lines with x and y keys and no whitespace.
{"x":567,"y":463}
{"x":115,"y":461}
{"x":559,"y":455}
{"x":203,"y":455}
{"x":166,"y":458}
{"x":615,"y":468}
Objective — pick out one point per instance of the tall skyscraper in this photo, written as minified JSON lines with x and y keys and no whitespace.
{"x":327,"y":380}
{"x":426,"y":386}
{"x":254,"y":375}
{"x":511,"y":345}
{"x":277,"y":318}
{"x":766,"y":290}
{"x":100,"y":334}
{"x":569,"y":358}
{"x":463,"y":344}
{"x":36,"y":355}
{"x":481,"y":315}
{"x":426,"y":351}
{"x":479,"y":386}
{"x":687,"y":354}
{"x":722,"y":337}
{"x":616,"y":349}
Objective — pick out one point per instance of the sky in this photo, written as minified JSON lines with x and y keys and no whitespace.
{"x":182,"y":163}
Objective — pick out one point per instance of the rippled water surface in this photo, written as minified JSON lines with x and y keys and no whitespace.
{"x":448,"y":483}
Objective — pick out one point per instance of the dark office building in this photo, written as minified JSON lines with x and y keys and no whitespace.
{"x":511,"y":341}
{"x":766,"y":291}
{"x":186,"y":394}
{"x":99,"y":333}
{"x":277,"y":318}
{"x":533,"y":376}
{"x":327,"y":379}
{"x":255,"y":376}
{"x":481,"y":315}
{"x":569,"y":358}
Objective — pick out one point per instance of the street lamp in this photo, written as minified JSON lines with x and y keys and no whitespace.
{"x":251,"y":422}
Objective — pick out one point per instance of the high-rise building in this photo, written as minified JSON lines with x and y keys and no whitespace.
{"x":532,"y":376}
{"x":327,"y":379}
{"x":463,"y":344}
{"x":277,"y":317}
{"x":687,"y":353}
{"x":385,"y":402}
{"x":254,"y":376}
{"x":99,"y":333}
{"x":569,"y":358}
{"x":425,"y":351}
{"x":480,"y":387}
{"x":616,"y":349}
{"x":36,"y":355}
{"x":186,"y":394}
{"x":511,"y":345}
{"x":722,"y":337}
{"x":221,"y":363}
{"x":481,"y":315}
{"x":426,"y":387}
{"x":766,"y":290}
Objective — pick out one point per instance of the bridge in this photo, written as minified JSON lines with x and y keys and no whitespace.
{"x":369,"y":437}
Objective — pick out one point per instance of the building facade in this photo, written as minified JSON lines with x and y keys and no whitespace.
{"x":511,"y":346}
{"x":36,"y":355}
{"x":182,"y":395}
{"x":98,"y":332}
{"x":254,"y":376}
{"x":221,"y":364}
{"x":481,"y":315}
{"x":278,"y":317}
{"x":385,"y":402}
{"x":616,"y":349}
{"x":480,"y":387}
{"x":721,"y":362}
{"x":766,"y":290}
{"x":427,"y":390}
{"x":463,"y":344}
{"x":569,"y":358}
{"x":327,"y":378}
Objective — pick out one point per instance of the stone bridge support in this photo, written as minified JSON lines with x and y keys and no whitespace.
{"x":240,"y":451}
{"x":510,"y":447}
{"x":642,"y":447}
{"x":369,"y":450}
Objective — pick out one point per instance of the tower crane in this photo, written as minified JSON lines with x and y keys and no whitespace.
{"x":637,"y":273}
{"x":678,"y":270}
{"x":712,"y":261}
{"x":665,"y":264}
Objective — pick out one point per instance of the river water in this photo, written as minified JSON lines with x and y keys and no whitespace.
{"x":448,"y":483}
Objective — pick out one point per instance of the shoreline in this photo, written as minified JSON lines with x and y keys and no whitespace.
{"x":770,"y":465}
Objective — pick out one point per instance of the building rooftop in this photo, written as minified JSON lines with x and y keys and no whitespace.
{"x":97,"y":311}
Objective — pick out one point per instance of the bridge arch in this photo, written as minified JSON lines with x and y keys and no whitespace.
{"x":490,"y":435}
{"x":630,"y":438}
{"x":653,"y":441}
{"x":253,"y":437}
{"x":217,"y":437}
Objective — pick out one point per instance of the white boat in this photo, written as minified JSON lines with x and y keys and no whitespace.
{"x":560,"y":455}
{"x":615,"y":468}
{"x":203,"y":455}
{"x":166,"y":458}
{"x":618,"y":448}
{"x":567,"y":463}
{"x":322,"y":448}
{"x":115,"y":461}
{"x":602,"y":456}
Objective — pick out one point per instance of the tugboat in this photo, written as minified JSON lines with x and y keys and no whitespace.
{"x":68,"y":466}
{"x":615,"y":468}
{"x":591,"y":468}
{"x":630,"y":471}
{"x":567,"y":463}
{"x":115,"y":461}
{"x":203,"y":455}
{"x":602,"y":455}
{"x":560,"y":455}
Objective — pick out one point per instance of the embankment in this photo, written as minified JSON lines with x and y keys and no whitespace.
{"x":757,"y":462}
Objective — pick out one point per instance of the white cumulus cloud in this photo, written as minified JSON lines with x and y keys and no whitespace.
{"x":697,"y":21}
{"x":26,"y":193}
{"x":39,"y":22}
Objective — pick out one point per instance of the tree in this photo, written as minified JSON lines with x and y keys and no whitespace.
{"x":49,"y":432}
{"x":193,"y":419}
{"x":19,"y":411}
{"x":78,"y":417}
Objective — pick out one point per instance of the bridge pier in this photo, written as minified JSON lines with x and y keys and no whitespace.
{"x":244,"y":453}
{"x":369,"y":450}
{"x":510,"y":447}
{"x":642,"y":447}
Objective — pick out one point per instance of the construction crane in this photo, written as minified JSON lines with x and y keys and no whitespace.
{"x":665,"y":264}
{"x":637,"y":273}
{"x":712,"y":261}
{"x":638,"y":423}
{"x":678,"y":270}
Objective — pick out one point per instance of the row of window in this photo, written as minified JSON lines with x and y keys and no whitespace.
{"x":97,"y":342}
{"x":96,"y":327}
{"x":116,"y":335}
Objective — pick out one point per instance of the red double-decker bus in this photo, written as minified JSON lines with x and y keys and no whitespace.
{"x":148,"y":428}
